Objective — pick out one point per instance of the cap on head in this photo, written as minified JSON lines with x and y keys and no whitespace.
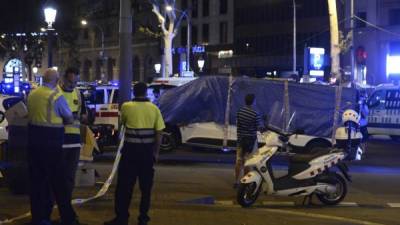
{"x":50,"y":76}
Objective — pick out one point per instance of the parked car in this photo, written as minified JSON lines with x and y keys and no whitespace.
{"x":384,"y":111}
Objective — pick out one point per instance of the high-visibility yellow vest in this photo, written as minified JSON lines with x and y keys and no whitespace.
{"x":74,"y":102}
{"x":41,"y":110}
{"x":142,"y":119}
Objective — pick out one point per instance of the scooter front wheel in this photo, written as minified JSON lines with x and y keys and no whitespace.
{"x":339,"y":193}
{"x":248,"y":193}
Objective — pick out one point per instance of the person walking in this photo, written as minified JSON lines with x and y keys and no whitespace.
{"x":143,"y":122}
{"x":72,"y":135}
{"x":247,"y":123}
{"x":48,"y":111}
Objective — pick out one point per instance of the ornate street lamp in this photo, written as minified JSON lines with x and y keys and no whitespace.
{"x":157,"y":68}
{"x":50,"y":13}
{"x":200,"y":63}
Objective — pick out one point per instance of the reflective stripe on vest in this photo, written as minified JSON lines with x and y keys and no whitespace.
{"x":74,"y":102}
{"x":72,"y":145}
{"x":140,"y":136}
{"x":41,"y":110}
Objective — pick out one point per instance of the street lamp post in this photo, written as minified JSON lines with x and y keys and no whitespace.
{"x":186,"y":14}
{"x":294,"y":39}
{"x":101,"y":54}
{"x":50,"y":14}
{"x":85,"y":23}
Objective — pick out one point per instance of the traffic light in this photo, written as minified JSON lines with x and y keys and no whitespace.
{"x":361,"y":56}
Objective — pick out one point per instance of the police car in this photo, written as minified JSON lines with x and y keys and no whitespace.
{"x":384,"y":111}
{"x":102,"y":105}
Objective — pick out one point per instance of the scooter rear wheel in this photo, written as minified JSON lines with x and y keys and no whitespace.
{"x":338,"y":195}
{"x":247,"y":194}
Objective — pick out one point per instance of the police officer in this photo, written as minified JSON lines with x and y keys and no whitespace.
{"x":72,"y":136}
{"x":48,"y":111}
{"x":144,"y":123}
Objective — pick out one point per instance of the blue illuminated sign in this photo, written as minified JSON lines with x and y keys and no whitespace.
{"x":195,"y":49}
{"x":316,"y":61}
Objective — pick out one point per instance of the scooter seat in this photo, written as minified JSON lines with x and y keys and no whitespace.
{"x":304,"y":158}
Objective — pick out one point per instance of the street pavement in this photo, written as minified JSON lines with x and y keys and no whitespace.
{"x":194,"y":187}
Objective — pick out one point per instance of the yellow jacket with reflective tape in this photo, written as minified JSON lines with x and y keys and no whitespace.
{"x":73,"y":99}
{"x":41,"y":110}
{"x":142,"y":119}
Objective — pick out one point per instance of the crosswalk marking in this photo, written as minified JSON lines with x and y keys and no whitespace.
{"x":394,"y":205}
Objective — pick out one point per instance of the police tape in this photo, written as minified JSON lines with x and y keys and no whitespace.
{"x":103,"y":190}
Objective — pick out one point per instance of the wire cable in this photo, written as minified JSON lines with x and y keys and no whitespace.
{"x":378,"y":27}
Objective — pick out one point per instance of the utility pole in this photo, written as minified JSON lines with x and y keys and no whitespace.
{"x":125,"y":51}
{"x":335,"y":50}
{"x":50,"y":36}
{"x":294,"y":39}
{"x":353,"y":73}
{"x":189,"y":39}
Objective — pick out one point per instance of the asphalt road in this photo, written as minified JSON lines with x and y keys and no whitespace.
{"x":195,"y":188}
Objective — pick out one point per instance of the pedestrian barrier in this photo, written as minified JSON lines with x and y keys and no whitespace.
{"x":103,"y":190}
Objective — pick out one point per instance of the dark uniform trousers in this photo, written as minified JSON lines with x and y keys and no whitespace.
{"x":136,"y":163}
{"x":47,"y":176}
{"x":71,"y":159}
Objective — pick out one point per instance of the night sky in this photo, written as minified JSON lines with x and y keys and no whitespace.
{"x":27,"y":15}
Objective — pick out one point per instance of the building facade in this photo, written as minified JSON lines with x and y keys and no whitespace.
{"x":263,"y":34}
{"x":212,"y":27}
{"x":98,"y":42}
{"x":378,"y":40}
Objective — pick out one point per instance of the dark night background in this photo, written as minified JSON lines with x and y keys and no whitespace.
{"x":27,"y":15}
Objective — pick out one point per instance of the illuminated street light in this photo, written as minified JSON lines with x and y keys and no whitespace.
{"x":35,"y":70}
{"x":50,"y":14}
{"x":157,"y":68}
{"x":84,"y":22}
{"x":200,"y":63}
{"x":169,"y":8}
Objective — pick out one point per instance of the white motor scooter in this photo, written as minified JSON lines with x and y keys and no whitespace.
{"x":308,"y":174}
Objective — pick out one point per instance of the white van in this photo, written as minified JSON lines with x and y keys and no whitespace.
{"x":384,"y":111}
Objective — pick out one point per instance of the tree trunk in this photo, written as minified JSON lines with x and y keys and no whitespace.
{"x":168,"y":64}
{"x":335,"y":50}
